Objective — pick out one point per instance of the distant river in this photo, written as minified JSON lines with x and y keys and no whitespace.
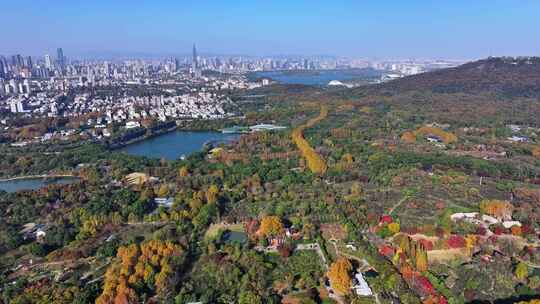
{"x":15,"y":185}
{"x":318,"y":77}
{"x":173,"y":145}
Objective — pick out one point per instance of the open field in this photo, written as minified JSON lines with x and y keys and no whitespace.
{"x":215,"y":228}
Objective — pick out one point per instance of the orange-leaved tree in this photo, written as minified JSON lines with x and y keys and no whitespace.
{"x":497,"y":208}
{"x":535,"y":151}
{"x":149,"y":266}
{"x":408,"y":137}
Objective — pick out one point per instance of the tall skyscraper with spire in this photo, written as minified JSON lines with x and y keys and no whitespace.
{"x":195,"y":63}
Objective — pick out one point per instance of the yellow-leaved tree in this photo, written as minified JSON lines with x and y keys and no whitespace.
{"x":405,"y":243}
{"x":522,"y":271}
{"x":497,"y":208}
{"x":163,"y":190}
{"x":183,"y":171}
{"x":314,"y":161}
{"x":212,"y":194}
{"x":421,"y":258}
{"x":534,"y":301}
{"x":470,"y":241}
{"x":271,"y":226}
{"x":394,"y":227}
{"x":340,"y":276}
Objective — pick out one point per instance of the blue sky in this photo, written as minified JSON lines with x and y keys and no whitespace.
{"x":358,"y":28}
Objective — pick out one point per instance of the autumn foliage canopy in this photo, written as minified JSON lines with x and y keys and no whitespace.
{"x":497,"y":208}
{"x":271,"y":226}
{"x":315,"y":162}
{"x":151,"y":265}
{"x":340,"y":276}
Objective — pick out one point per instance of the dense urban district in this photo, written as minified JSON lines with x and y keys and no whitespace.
{"x":420,"y":189}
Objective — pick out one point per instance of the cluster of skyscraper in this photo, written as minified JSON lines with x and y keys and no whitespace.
{"x":24,"y":67}
{"x":17,"y":66}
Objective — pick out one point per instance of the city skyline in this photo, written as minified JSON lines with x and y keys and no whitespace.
{"x":348,"y":28}
{"x":187,"y":54}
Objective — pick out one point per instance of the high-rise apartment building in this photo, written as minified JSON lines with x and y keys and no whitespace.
{"x":17,"y":61}
{"x":60,"y":57}
{"x":28,"y":62}
{"x":48,"y":61}
{"x":2,"y":72}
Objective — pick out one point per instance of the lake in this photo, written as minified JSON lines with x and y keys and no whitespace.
{"x":318,"y":77}
{"x":173,"y":145}
{"x":234,"y":237}
{"x":34,"y":183}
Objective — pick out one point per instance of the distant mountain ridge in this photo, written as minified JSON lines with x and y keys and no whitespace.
{"x":508,"y":76}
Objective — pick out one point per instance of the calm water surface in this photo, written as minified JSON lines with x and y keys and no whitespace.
{"x":34,"y":183}
{"x":318,"y":78}
{"x":173,"y":145}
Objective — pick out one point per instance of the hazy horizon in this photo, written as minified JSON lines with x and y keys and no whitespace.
{"x":355,"y":29}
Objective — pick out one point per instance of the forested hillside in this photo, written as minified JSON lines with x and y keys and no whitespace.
{"x":513,"y":77}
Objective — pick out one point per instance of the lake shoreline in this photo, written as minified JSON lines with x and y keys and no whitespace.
{"x":320,"y":77}
{"x":121,"y":145}
{"x":35,"y":182}
{"x":41,"y":176}
{"x":174,"y":145}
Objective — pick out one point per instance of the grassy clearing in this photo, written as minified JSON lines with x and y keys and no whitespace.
{"x":446,"y":255}
{"x":215,"y":228}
